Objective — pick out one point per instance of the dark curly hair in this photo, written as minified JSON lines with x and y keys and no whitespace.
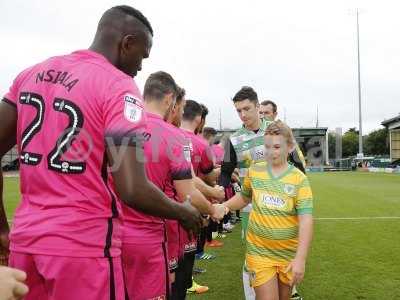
{"x":244,"y":93}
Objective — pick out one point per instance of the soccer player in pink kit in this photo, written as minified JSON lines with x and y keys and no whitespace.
{"x":144,"y":254}
{"x":175,"y":251}
{"x":73,"y":116}
{"x":202,"y":164}
{"x":176,"y":234}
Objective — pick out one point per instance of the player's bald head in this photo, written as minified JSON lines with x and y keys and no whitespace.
{"x":124,"y":20}
{"x":125,"y":37}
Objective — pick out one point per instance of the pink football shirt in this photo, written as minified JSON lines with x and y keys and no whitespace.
{"x":201,"y":154}
{"x":218,"y":154}
{"x":165,"y":162}
{"x":68,"y":108}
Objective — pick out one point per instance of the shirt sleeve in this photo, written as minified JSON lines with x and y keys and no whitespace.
{"x":228,"y":165}
{"x":304,"y":200}
{"x":180,"y":162}
{"x":124,"y":119}
{"x":246,"y":187}
{"x":207,"y":161}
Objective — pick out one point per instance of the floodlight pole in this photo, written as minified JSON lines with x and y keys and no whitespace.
{"x":220,"y":119}
{"x":360,"y":134}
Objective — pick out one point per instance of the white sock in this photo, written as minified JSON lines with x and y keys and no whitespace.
{"x":249,"y":292}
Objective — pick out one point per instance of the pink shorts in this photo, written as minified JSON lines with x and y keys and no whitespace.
{"x":66,"y":278}
{"x":173,"y":244}
{"x":146,"y":271}
{"x":187,"y":245}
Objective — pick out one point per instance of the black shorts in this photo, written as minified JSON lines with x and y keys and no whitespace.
{"x":183,"y":277}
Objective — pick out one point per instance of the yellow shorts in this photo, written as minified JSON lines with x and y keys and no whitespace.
{"x":261,"y":274}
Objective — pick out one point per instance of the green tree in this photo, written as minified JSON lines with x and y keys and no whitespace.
{"x":332,"y":145}
{"x":350,"y":143}
{"x":377,"y":142}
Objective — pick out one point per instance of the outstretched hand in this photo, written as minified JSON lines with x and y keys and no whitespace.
{"x":191,"y":219}
{"x":220,"y":211}
{"x":12,"y":284}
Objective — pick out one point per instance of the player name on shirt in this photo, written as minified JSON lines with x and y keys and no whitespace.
{"x":57,"y":77}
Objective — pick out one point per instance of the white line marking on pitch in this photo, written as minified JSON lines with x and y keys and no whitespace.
{"x":359,"y":218}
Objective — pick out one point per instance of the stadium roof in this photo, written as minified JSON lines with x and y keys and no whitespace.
{"x":311,"y":128}
{"x":388,"y":123}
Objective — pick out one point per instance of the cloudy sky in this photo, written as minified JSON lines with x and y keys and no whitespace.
{"x":301,"y":54}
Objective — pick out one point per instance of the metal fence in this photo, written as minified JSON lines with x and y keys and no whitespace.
{"x":9,"y":156}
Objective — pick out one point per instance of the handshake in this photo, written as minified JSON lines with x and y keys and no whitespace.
{"x":219,"y":211}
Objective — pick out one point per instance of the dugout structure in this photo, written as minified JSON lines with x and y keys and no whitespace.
{"x":313,"y":141}
{"x":393,"y":126}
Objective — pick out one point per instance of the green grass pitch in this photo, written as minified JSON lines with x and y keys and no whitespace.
{"x":352,"y":259}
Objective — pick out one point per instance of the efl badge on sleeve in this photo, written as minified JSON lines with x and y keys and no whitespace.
{"x":132,"y":111}
{"x":186,"y":153}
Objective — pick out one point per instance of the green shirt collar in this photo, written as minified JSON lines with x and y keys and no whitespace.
{"x":263,"y":126}
{"x":290,"y":167}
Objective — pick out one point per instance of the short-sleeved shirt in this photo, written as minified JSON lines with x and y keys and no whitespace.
{"x":272,"y":235}
{"x":165,"y":162}
{"x":68,"y":108}
{"x":201,"y":153}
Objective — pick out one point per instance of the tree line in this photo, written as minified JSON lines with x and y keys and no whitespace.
{"x":375,"y":143}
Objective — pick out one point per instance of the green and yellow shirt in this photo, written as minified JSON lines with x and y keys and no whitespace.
{"x":273,"y":228}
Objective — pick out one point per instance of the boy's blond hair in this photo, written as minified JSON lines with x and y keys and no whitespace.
{"x":279,"y":128}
